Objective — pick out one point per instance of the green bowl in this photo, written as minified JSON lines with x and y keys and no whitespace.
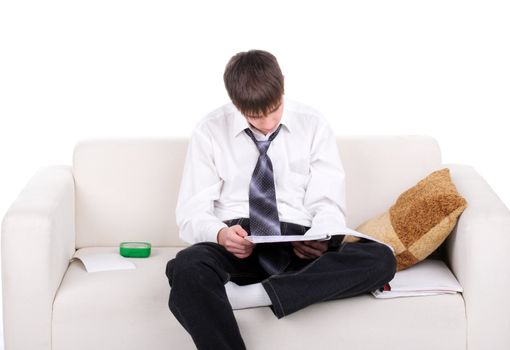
{"x":135,"y":249}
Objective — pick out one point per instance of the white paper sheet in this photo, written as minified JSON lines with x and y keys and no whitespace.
{"x":428,"y":277}
{"x":95,"y":262}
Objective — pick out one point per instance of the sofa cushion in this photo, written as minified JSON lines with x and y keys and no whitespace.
{"x":379,"y":168}
{"x":420,"y":219}
{"x":128,"y":309}
{"x":126,"y":189}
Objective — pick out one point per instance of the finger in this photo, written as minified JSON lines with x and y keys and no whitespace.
{"x":304,"y":249}
{"x":308,"y":247}
{"x":310,"y":250}
{"x":240,"y":230}
{"x":241,"y":234}
{"x":321,"y":246}
{"x":231,"y":246}
{"x":238,"y":240}
{"x":242,"y":253}
{"x":235,"y":249}
{"x":300,"y":254}
{"x":243,"y":249}
{"x":318,"y":243}
{"x":238,"y":243}
{"x":244,"y":242}
{"x":297,"y":243}
{"x":301,"y":249}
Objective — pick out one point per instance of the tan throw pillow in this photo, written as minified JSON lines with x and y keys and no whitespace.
{"x":420,"y":220}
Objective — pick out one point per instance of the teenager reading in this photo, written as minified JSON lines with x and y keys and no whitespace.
{"x":263,"y":165}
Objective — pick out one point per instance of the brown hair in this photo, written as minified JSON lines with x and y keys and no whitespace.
{"x":254,"y":82}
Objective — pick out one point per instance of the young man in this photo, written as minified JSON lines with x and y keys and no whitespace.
{"x":263,"y":165}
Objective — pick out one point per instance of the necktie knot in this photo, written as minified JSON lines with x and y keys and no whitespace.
{"x":263,"y":146}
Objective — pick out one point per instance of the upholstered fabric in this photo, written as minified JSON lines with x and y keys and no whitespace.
{"x":420,"y":219}
{"x":126,"y":189}
{"x":374,"y":170}
{"x":128,"y":310}
{"x":37,"y":242}
{"x":477,"y":252}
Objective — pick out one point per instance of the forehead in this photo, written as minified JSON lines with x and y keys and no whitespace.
{"x":262,"y":115}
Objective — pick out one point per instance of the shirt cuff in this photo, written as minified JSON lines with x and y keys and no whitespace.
{"x":210,"y":231}
{"x":326,"y":225}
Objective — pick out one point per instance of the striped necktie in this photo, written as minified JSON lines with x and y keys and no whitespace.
{"x":264,"y":218}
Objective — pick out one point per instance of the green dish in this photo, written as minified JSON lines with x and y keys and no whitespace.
{"x":135,"y":249}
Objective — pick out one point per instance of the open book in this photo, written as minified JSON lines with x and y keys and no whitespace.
{"x":428,"y":277}
{"x":322,"y":237}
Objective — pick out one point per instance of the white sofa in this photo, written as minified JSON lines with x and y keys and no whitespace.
{"x":125,"y":190}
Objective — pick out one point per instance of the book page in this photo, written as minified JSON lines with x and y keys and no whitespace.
{"x":291,"y":238}
{"x":326,"y":236}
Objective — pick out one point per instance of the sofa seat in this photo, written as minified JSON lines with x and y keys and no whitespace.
{"x":128,"y":309}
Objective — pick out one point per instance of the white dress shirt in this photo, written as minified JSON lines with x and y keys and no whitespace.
{"x":221,"y":157}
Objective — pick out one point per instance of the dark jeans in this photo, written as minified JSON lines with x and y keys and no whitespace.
{"x":198,"y":274}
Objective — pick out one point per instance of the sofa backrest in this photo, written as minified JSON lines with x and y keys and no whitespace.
{"x":126,"y":189}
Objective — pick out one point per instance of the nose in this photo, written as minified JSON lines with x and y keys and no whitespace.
{"x":270,"y":125}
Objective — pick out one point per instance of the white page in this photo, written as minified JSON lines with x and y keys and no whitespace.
{"x":326,"y":236}
{"x":428,"y":277}
{"x":95,"y":262}
{"x":388,"y":295}
{"x":429,"y":274}
{"x":289,"y":238}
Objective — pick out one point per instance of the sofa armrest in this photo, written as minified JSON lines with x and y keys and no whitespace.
{"x":478,"y":252}
{"x":37,"y":242}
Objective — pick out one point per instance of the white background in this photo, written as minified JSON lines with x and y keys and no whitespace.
{"x":71,"y":70}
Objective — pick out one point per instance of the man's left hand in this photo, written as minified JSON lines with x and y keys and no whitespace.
{"x":309,"y":249}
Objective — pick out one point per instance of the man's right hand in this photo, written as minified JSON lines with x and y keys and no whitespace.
{"x":232,"y":238}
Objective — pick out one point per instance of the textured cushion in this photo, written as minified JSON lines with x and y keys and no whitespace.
{"x":420,"y":220}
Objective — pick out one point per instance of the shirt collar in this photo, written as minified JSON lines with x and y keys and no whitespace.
{"x":241,"y":123}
